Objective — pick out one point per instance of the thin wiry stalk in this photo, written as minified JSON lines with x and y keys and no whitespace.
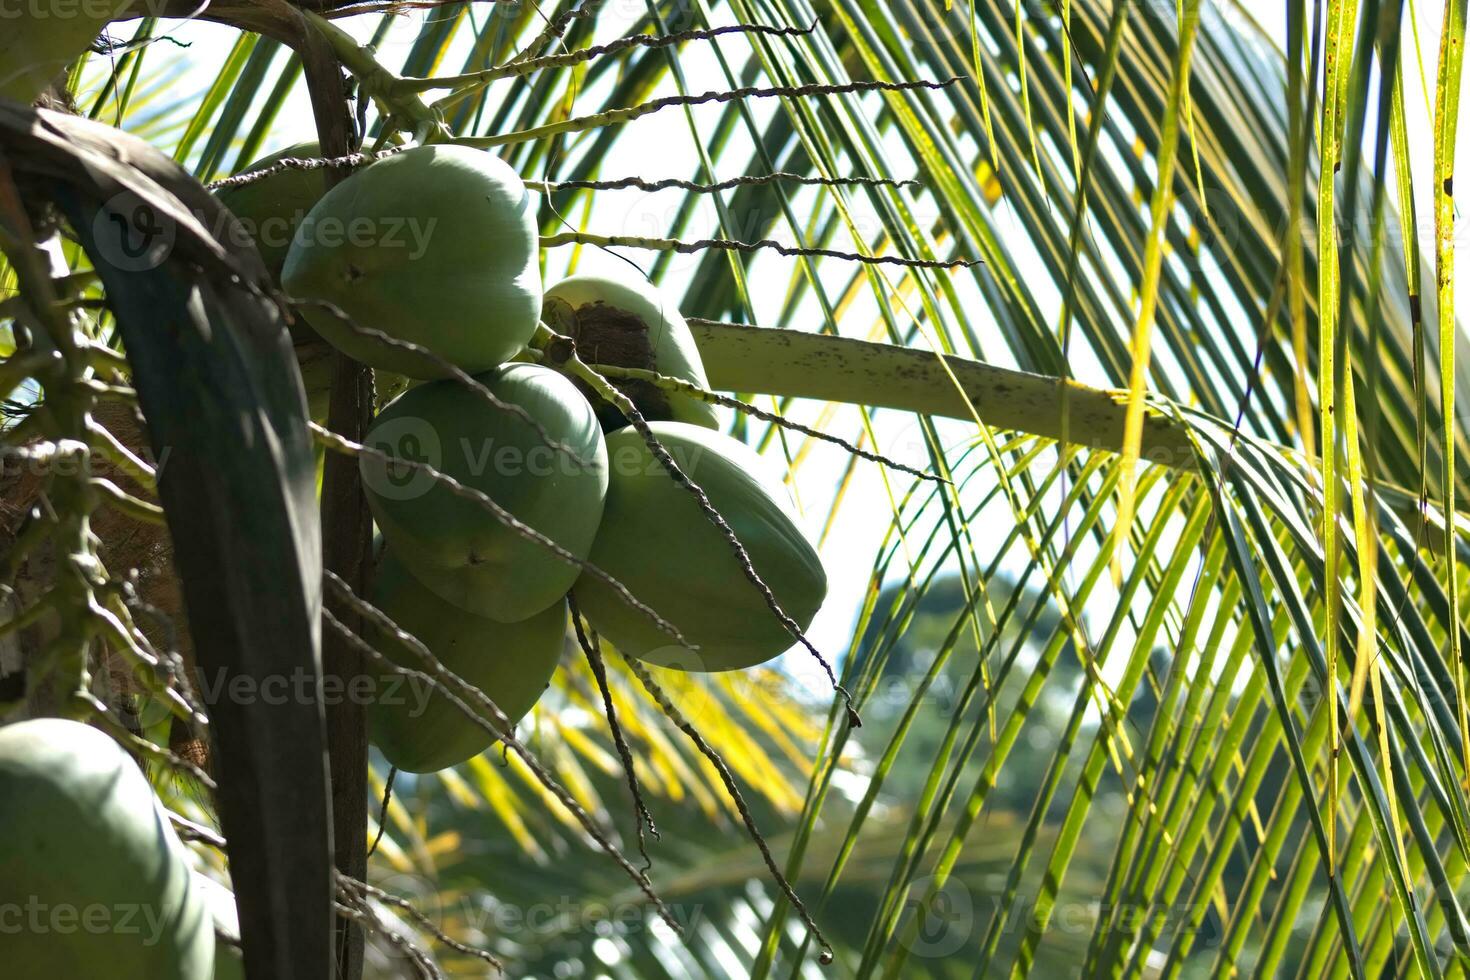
{"x":613,"y":117}
{"x":695,"y":187}
{"x":592,"y":650}
{"x":729,"y":245}
{"x":501,"y":728}
{"x":383,"y":810}
{"x":353,"y":160}
{"x":420,"y":919}
{"x":361,"y":912}
{"x":362,"y":159}
{"x":556,"y":28}
{"x":676,"y":716}
{"x":468,"y":83}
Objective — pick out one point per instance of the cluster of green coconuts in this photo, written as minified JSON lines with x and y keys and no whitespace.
{"x":93,"y":879}
{"x":437,"y":246}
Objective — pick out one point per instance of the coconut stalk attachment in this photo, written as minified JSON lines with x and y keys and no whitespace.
{"x":272,"y":208}
{"x":631,"y":325}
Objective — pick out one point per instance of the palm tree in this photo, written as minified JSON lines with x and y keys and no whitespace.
{"x":1109,"y":347}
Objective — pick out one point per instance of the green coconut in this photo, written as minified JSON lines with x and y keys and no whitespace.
{"x":91,"y":872}
{"x":632,"y":324}
{"x":453,"y":544}
{"x":271,"y":209}
{"x":421,"y":730}
{"x":436,"y":246}
{"x":657,"y":541}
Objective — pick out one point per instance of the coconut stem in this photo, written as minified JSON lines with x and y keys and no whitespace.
{"x":730,"y":245}
{"x":798,"y":364}
{"x":378,"y":82}
{"x":345,"y":522}
{"x":732,"y":788}
{"x":488,"y":716}
{"x":592,"y":650}
{"x":613,"y":117}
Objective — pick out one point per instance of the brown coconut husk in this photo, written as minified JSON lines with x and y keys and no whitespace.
{"x":616,"y":338}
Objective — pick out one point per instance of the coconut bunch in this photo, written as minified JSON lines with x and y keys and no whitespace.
{"x":551,"y":493}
